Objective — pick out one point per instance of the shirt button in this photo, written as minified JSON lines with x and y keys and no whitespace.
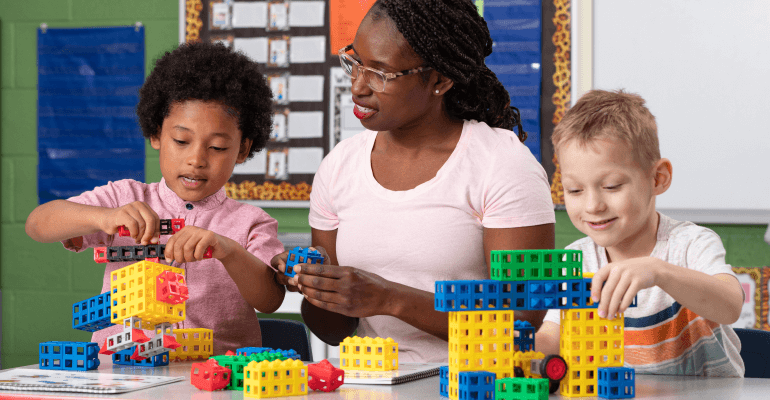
{"x":189,"y":206}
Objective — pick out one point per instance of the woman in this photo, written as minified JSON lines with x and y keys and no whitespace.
{"x":436,"y":182}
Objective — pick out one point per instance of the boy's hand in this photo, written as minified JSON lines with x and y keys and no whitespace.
{"x":622,"y":281}
{"x":142,"y":222}
{"x":279,"y":263}
{"x":190,"y":244}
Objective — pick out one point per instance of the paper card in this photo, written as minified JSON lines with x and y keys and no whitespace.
{"x":306,"y":124}
{"x":277,"y":167}
{"x":278,"y":84}
{"x":279,"y":51}
{"x":305,"y":160}
{"x":251,"y":14}
{"x":306,"y":13}
{"x":308,"y":49}
{"x":278,"y":15}
{"x":306,"y":88}
{"x":256,"y":165}
{"x":280,"y":120}
{"x":254,"y":48}
{"x":220,"y":15}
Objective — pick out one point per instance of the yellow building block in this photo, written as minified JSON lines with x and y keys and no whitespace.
{"x":133,"y":289}
{"x":368,"y":354}
{"x":196,"y":344}
{"x":275,"y":379}
{"x":481,"y":340}
{"x":523,"y":361}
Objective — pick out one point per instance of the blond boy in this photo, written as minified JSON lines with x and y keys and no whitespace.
{"x":607,"y":147}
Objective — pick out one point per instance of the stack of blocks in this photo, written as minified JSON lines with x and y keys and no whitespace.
{"x":368,"y":354}
{"x":616,"y":383}
{"x":481,"y":322}
{"x":287,"y":354}
{"x":237,"y":364}
{"x":195,"y":344}
{"x":275,"y":379}
{"x":123,"y":357}
{"x":70,"y":356}
{"x":92,"y":314}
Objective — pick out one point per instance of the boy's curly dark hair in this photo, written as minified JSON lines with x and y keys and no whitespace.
{"x":208,"y":72}
{"x":452,"y":38}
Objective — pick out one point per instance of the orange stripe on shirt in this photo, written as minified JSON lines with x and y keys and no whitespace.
{"x":669,"y":330}
{"x":687,"y":336}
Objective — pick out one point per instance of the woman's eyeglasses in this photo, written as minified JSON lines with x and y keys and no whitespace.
{"x":374,"y":78}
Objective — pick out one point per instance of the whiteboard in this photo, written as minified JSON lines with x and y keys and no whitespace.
{"x":704,"y":69}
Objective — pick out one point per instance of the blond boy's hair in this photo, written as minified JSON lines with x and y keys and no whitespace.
{"x":601,"y":114}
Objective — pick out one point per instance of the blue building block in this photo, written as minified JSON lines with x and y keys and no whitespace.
{"x":443,"y":381}
{"x":123,"y":357}
{"x":70,"y":356}
{"x":480,"y":295}
{"x":585,"y":299}
{"x":475,"y":385}
{"x":92,"y":314}
{"x":616,"y":383}
{"x":526,"y":338}
{"x":298,"y":255}
{"x":247,"y":351}
{"x":560,"y":294}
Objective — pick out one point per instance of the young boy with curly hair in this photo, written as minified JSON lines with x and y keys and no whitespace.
{"x":687,"y":294}
{"x":205,"y":108}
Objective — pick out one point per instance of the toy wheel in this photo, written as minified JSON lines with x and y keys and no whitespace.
{"x":553,"y":367}
{"x":553,"y":386}
{"x":518,"y":372}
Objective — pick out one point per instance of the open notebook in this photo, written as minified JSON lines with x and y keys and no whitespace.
{"x":46,"y":380}
{"x":406,"y":372}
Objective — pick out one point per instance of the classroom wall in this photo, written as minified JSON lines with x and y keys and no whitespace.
{"x":40,"y":282}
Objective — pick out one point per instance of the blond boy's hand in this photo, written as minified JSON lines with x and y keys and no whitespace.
{"x":621,"y":282}
{"x":142,"y":222}
{"x":191,"y":243}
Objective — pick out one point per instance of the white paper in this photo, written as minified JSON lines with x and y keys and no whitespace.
{"x":220,"y":15}
{"x":278,"y":86}
{"x":279,"y":127}
{"x":253,"y":166}
{"x":306,"y":124}
{"x":278,"y":18}
{"x":279,"y":54}
{"x":306,"y":13}
{"x":277,"y":165}
{"x":254,"y":48}
{"x":308,"y":49}
{"x":306,"y":88}
{"x":252,"y":14}
{"x":305,"y":160}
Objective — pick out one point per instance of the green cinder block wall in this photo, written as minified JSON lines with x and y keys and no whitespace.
{"x":40,"y":282}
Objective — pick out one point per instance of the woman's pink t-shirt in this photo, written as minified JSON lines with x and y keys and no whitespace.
{"x":434,"y":231}
{"x":214,"y":302}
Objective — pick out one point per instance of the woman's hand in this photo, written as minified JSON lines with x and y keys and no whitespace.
{"x":344,"y":290}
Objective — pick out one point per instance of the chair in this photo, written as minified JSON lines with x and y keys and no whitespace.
{"x":286,"y":334}
{"x":755,"y":351}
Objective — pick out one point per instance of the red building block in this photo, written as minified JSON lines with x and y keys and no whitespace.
{"x":171,"y":288}
{"x":100,"y":254}
{"x":210,"y":375}
{"x":123,"y":231}
{"x":176,"y":225}
{"x":323,"y":376}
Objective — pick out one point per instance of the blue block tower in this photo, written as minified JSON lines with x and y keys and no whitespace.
{"x":443,"y":382}
{"x":298,"y":255}
{"x":92,"y":314}
{"x":476,"y":385}
{"x":526,"y":338}
{"x":617,"y":383}
{"x":70,"y":356}
{"x":123,"y":357}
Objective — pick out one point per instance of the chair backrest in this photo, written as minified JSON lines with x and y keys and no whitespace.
{"x":755,"y":351}
{"x":286,"y":334}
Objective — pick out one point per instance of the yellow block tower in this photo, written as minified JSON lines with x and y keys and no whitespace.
{"x":368,"y":354}
{"x":275,"y":379}
{"x":196,"y":343}
{"x":134,"y":295}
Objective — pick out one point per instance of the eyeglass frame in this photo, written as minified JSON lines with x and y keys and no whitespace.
{"x":343,"y":53}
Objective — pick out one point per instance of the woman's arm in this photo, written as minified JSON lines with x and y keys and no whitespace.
{"x":525,"y":238}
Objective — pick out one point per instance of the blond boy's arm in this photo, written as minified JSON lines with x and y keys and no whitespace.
{"x":717,"y":298}
{"x":547,"y":338}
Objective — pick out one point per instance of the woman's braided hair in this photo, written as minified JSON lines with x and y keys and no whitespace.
{"x":452,"y":38}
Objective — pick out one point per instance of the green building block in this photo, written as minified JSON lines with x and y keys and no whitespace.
{"x":525,"y":265}
{"x":521,"y":389}
{"x":238,"y":363}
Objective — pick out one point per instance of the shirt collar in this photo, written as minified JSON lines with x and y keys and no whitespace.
{"x":173,"y":200}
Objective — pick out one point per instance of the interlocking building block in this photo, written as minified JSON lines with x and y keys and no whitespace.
{"x":286,"y":354}
{"x":475,"y":385}
{"x":299,"y":255}
{"x":480,"y":295}
{"x":209,"y":375}
{"x":443,"y":382}
{"x":275,"y":379}
{"x":134,"y":295}
{"x":481,"y":340}
{"x":237,"y":364}
{"x":195,"y":344}
{"x":617,"y":383}
{"x":71,"y":356}
{"x":368,"y":354}
{"x":92,"y":314}
{"x":171,"y":288}
{"x":521,"y":389}
{"x":324,"y":376}
{"x":524,"y":265}
{"x":124,"y":357}
{"x":526,"y":338}
{"x":549,"y":294}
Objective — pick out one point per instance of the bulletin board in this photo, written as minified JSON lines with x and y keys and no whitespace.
{"x":296,"y":43}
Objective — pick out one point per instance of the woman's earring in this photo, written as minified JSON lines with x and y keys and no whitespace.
{"x":436,"y":91}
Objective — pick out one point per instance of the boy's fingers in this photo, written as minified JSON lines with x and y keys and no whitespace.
{"x":596,"y":284}
{"x":606,"y":298}
{"x":617,"y":297}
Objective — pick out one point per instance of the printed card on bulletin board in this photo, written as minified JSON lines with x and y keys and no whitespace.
{"x":291,"y":42}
